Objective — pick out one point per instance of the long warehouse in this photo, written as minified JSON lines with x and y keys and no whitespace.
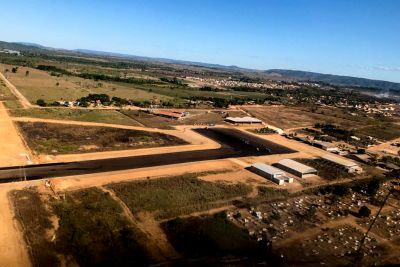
{"x":348,"y":165}
{"x":296,"y":168}
{"x":271,"y":173}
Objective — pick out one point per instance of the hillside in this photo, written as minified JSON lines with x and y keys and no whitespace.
{"x":333,"y":79}
{"x":362,"y":83}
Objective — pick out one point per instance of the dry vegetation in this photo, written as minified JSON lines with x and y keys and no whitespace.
{"x":196,"y":117}
{"x":174,"y":196}
{"x":51,"y":138}
{"x":101,"y":116}
{"x":41,"y":85}
{"x":292,"y":117}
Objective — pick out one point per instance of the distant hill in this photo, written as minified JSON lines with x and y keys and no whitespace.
{"x":332,"y":79}
{"x":283,"y":74}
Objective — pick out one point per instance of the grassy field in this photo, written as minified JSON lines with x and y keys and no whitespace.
{"x":5,"y":93}
{"x":91,"y":230}
{"x":41,"y":85}
{"x":383,"y":131}
{"x":174,"y":196}
{"x":213,"y":236}
{"x":293,"y":117}
{"x":196,"y":117}
{"x":94,"y":231}
{"x":101,"y":116}
{"x":326,"y":171}
{"x":32,"y":214}
{"x":52,"y":138}
{"x":12,"y":104}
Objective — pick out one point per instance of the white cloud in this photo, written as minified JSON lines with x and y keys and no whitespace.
{"x":386,"y":68}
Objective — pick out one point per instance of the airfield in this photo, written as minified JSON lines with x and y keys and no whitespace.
{"x":133,"y":176}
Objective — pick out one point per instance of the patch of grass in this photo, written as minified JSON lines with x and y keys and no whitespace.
{"x":5,"y":93}
{"x":174,"y":196}
{"x":384,"y":131}
{"x":271,"y":193}
{"x":263,"y":131}
{"x":292,"y":117}
{"x":12,"y":104}
{"x":62,"y":139}
{"x":93,"y":230}
{"x":42,"y":85}
{"x":34,"y":218}
{"x":325,"y":170}
{"x":194,"y":118}
{"x":101,"y":116}
{"x":212,"y":236}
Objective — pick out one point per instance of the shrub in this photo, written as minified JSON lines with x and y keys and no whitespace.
{"x":364,"y":212}
{"x":41,"y":102}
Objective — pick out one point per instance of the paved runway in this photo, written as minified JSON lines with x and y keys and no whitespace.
{"x":234,"y":143}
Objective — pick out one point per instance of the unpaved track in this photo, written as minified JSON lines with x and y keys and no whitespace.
{"x":24,"y":102}
{"x":13,"y":251}
{"x":156,"y":240}
{"x":11,"y":144}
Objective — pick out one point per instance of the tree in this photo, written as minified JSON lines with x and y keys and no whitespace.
{"x":41,"y":102}
{"x":364,"y":212}
{"x":373,"y":187}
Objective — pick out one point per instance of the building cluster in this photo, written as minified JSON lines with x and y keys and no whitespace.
{"x":9,"y":51}
{"x":279,"y":172}
{"x":233,"y":83}
{"x":385,"y":110}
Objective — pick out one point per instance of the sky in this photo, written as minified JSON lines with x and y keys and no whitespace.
{"x":346,"y":37}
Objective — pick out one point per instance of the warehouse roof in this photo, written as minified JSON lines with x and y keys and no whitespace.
{"x":243,"y":119}
{"x":294,"y":165}
{"x":267,"y":168}
{"x":340,"y":161}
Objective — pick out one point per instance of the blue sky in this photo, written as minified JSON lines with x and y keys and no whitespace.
{"x":349,"y":37}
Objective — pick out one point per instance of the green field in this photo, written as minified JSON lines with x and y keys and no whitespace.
{"x":100,"y":116}
{"x":174,"y":196}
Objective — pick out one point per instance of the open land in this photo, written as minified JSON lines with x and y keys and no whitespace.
{"x":47,"y":138}
{"x":110,"y":183}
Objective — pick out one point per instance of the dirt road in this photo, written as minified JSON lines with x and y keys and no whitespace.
{"x":12,"y":148}
{"x":13,"y":251}
{"x":24,"y":102}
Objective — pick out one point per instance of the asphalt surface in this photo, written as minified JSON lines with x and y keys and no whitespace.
{"x":234,"y":143}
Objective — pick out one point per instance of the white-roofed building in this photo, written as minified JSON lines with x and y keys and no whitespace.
{"x":349,"y":165}
{"x":326,"y":146}
{"x":243,"y":120}
{"x":296,"y":168}
{"x":271,"y":173}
